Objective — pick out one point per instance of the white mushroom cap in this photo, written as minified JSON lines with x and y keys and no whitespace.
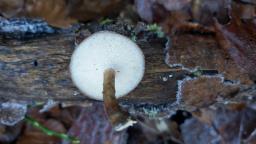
{"x":101,"y":51}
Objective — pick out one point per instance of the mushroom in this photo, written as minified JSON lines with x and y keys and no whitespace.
{"x":107,"y":66}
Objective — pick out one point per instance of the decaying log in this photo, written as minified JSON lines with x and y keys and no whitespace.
{"x":38,"y":69}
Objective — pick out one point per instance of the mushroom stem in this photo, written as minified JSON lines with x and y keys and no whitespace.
{"x":119,"y":118}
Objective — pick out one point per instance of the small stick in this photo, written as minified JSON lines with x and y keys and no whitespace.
{"x":119,"y":118}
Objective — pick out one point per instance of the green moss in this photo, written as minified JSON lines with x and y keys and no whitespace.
{"x":156,"y":29}
{"x":105,"y":21}
{"x":198,"y":72}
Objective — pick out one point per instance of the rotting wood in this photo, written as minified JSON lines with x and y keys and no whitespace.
{"x":38,"y":69}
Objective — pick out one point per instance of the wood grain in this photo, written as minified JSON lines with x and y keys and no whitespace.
{"x":38,"y":69}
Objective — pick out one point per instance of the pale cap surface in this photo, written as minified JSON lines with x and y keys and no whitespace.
{"x":103,"y":50}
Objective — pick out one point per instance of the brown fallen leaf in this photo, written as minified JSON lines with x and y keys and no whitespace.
{"x":203,"y":11}
{"x":238,"y":39}
{"x":245,"y":11}
{"x":32,"y":135}
{"x":9,"y":133}
{"x":10,"y":8}
{"x":55,"y":12}
{"x":92,"y":126}
{"x":195,"y":132}
{"x":220,"y":125}
{"x":84,"y":10}
{"x":173,"y":14}
{"x":67,"y":116}
{"x":200,"y":50}
{"x":204,"y":91}
{"x":60,"y":13}
{"x":151,"y":10}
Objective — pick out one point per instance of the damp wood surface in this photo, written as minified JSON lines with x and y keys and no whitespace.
{"x":38,"y":69}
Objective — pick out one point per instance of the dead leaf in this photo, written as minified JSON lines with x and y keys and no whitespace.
{"x":204,"y":91}
{"x":195,"y":132}
{"x":9,"y":133}
{"x":85,"y":10}
{"x":220,"y":125}
{"x":35,"y":136}
{"x":198,"y":50}
{"x":60,"y":13}
{"x":238,"y":39}
{"x":150,"y":10}
{"x":55,"y":12}
{"x":10,"y":8}
{"x":92,"y":126}
{"x":175,"y":12}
